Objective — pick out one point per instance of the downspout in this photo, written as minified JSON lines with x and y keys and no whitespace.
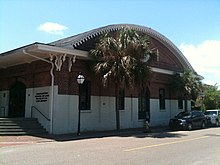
{"x":52,"y":86}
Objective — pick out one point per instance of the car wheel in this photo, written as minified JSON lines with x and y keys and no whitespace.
{"x":203,"y":125}
{"x":190,"y":126}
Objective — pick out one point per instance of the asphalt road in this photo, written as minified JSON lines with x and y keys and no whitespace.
{"x":198,"y":147}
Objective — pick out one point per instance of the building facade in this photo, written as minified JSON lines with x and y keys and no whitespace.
{"x":39,"y":80}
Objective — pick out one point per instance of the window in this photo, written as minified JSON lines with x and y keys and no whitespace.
{"x":162,"y":98}
{"x":85,"y":95}
{"x":143,"y":104}
{"x":180,"y":102}
{"x":121,"y":99}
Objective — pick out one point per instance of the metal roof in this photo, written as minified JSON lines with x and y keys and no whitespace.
{"x":79,"y":39}
{"x":68,"y":45}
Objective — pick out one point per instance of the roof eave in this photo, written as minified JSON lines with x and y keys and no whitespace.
{"x":17,"y":56}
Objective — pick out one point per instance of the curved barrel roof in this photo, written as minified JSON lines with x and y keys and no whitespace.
{"x":79,"y":39}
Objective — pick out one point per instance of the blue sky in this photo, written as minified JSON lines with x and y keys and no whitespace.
{"x":192,"y":25}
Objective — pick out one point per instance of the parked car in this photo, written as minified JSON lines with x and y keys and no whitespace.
{"x":188,"y":121}
{"x":213,"y":117}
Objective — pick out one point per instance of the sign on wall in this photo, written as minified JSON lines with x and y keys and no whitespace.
{"x":41,"y":97}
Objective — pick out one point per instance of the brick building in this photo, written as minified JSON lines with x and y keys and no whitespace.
{"x":39,"y":80}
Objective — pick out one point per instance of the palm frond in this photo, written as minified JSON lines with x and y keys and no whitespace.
{"x":120,"y":57}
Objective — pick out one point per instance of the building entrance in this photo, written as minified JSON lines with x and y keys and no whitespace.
{"x":17,"y":100}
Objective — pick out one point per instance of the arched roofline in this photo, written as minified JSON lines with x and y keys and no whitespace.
{"x":83,"y":37}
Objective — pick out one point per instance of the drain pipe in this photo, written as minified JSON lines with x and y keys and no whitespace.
{"x":52,"y":86}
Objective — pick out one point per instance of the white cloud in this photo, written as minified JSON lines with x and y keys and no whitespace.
{"x":205,"y":59}
{"x":52,"y":28}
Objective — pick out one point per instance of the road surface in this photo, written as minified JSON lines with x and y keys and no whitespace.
{"x":197,"y":147}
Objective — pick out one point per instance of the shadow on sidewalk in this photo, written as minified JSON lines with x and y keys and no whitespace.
{"x":162,"y":132}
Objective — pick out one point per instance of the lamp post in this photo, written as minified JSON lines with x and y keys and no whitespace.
{"x":80,"y":79}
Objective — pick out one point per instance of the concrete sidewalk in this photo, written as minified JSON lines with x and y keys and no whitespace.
{"x":30,"y":139}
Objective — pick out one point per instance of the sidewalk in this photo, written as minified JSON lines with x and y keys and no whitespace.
{"x":29,"y":139}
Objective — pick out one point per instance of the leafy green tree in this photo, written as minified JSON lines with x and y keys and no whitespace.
{"x":187,"y":85}
{"x":212,"y":97}
{"x":121,"y":56}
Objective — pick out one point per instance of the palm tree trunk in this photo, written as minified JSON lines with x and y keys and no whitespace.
{"x":185,"y":102}
{"x":117,"y":106}
{"x":186,"y":105}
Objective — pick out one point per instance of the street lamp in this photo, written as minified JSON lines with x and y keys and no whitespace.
{"x":80,"y":79}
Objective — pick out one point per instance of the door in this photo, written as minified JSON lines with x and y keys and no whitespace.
{"x":17,"y":100}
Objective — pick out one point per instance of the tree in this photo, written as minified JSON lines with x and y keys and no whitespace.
{"x":121,"y":56}
{"x":188,"y":85}
{"x":212,"y":97}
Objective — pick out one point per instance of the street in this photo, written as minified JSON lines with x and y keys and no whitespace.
{"x":197,"y":147}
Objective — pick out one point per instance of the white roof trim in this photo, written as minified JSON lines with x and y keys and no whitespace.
{"x":60,"y":50}
{"x":163,"y":71}
{"x":17,"y":56}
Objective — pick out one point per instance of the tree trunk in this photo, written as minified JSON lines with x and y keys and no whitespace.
{"x":186,"y":105}
{"x":117,"y":114}
{"x":186,"y":96}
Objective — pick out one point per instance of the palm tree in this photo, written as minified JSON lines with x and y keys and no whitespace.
{"x":187,"y":84}
{"x":122,"y":56}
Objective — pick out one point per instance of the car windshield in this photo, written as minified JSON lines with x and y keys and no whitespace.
{"x":211,"y":113}
{"x":184,"y":115}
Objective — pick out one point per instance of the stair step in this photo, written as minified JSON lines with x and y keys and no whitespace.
{"x":18,"y":123}
{"x":19,"y":129}
{"x":18,"y":119}
{"x":13,"y":133}
{"x":35,"y":126}
{"x":23,"y":133}
{"x":20,"y":126}
{"x":22,"y":130}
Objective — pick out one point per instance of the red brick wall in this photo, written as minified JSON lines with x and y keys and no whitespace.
{"x":167,"y":60}
{"x":37,"y":74}
{"x":161,"y":81}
